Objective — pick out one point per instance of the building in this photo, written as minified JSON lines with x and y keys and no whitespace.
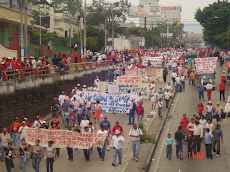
{"x":171,"y":12}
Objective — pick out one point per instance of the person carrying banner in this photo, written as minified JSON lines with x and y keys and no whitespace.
{"x":101,"y":151}
{"x":86,"y":151}
{"x":116,"y":143}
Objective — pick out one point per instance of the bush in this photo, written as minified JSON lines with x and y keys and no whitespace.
{"x":146,"y":138}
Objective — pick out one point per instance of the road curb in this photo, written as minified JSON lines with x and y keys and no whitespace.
{"x":153,"y":149}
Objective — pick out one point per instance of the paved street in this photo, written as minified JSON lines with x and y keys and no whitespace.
{"x":62,"y":163}
{"x":186,"y":102}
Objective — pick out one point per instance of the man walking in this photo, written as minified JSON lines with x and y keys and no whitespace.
{"x":135,"y":134}
{"x":183,"y":123}
{"x":131,"y":112}
{"x":116,"y":143}
{"x":222,"y":90}
{"x":200,"y":90}
{"x":217,"y":136}
{"x":14,"y":127}
{"x":197,"y":135}
{"x":192,"y":76}
{"x":101,"y":151}
{"x":179,"y":138}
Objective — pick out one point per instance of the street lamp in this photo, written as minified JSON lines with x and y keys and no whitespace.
{"x":228,"y":27}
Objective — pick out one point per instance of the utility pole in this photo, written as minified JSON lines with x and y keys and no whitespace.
{"x":21,"y":30}
{"x":26,"y":31}
{"x":112,"y":30}
{"x":81,"y":42}
{"x":70,"y":28}
{"x":105,"y":35}
{"x":85,"y":30}
{"x":40,"y":31}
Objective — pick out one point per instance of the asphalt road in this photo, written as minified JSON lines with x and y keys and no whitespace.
{"x":186,"y":102}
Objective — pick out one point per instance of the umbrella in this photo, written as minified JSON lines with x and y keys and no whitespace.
{"x":227,"y":64}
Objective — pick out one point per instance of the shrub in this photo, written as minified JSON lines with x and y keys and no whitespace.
{"x":146,"y":138}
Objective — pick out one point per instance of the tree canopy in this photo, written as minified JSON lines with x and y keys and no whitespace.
{"x":215,"y":21}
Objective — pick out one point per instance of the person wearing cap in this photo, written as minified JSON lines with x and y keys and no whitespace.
{"x":55,"y":107}
{"x":78,"y":87}
{"x":84,"y":88}
{"x":209,"y":110}
{"x":101,"y":151}
{"x":45,"y":125}
{"x":106,"y":124}
{"x":117,"y":127}
{"x":28,"y":124}
{"x":38,"y":122}
{"x":135,"y":133}
{"x":5,"y":139}
{"x":222,"y":90}
{"x":22,"y":131}
{"x":217,"y":136}
{"x":116,"y":144}
{"x":14,"y":127}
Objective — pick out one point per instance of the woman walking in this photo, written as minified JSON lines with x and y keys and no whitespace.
{"x":51,"y":156}
{"x":9,"y":154}
{"x":23,"y":151}
{"x":37,"y":152}
{"x":97,"y":112}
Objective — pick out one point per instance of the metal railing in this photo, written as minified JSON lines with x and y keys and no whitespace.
{"x":23,"y":73}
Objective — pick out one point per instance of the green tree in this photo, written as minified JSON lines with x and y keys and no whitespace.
{"x":215,"y":22}
{"x":71,"y":7}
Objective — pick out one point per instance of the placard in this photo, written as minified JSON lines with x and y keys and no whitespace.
{"x":64,"y":138}
{"x":110,"y":103}
{"x":205,"y":65}
{"x":156,"y":74}
{"x":128,"y":79}
{"x":155,"y":61}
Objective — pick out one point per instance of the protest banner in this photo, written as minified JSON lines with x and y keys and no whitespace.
{"x":205,"y":65}
{"x":64,"y":138}
{"x":135,"y":89}
{"x":113,"y":89}
{"x":128,"y":79}
{"x":110,"y":103}
{"x":156,"y":74}
{"x":155,"y":61}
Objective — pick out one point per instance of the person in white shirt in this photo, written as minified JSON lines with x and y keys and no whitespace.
{"x":96,"y":88}
{"x":37,"y":122}
{"x":197,"y":135}
{"x":168,"y":87}
{"x":116,"y":143}
{"x":209,"y":88}
{"x":139,"y":98}
{"x":178,"y":83}
{"x":160,"y":106}
{"x":182,"y":78}
{"x":135,"y":134}
{"x":62,"y":97}
{"x":101,"y":151}
{"x":151,"y":87}
{"x":202,"y":121}
{"x":167,"y":95}
{"x":5,"y":139}
{"x":84,"y":123}
{"x":148,"y":78}
{"x":174,"y":75}
{"x":210,"y":126}
{"x":84,"y":88}
{"x":22,"y":131}
{"x":209,"y":110}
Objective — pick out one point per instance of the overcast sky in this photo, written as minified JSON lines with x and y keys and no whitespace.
{"x":188,"y":6}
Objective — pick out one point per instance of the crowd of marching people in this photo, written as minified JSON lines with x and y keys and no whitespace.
{"x":73,"y":112}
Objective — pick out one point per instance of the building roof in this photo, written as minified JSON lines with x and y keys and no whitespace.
{"x":45,"y":2}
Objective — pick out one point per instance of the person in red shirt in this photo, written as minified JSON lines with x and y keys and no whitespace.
{"x":149,"y":63}
{"x":117,"y":127}
{"x":200,"y":108}
{"x":140,"y":111}
{"x":184,"y":122}
{"x":223,"y":77}
{"x":222,"y":90}
{"x":14,"y":130}
{"x":139,"y":65}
